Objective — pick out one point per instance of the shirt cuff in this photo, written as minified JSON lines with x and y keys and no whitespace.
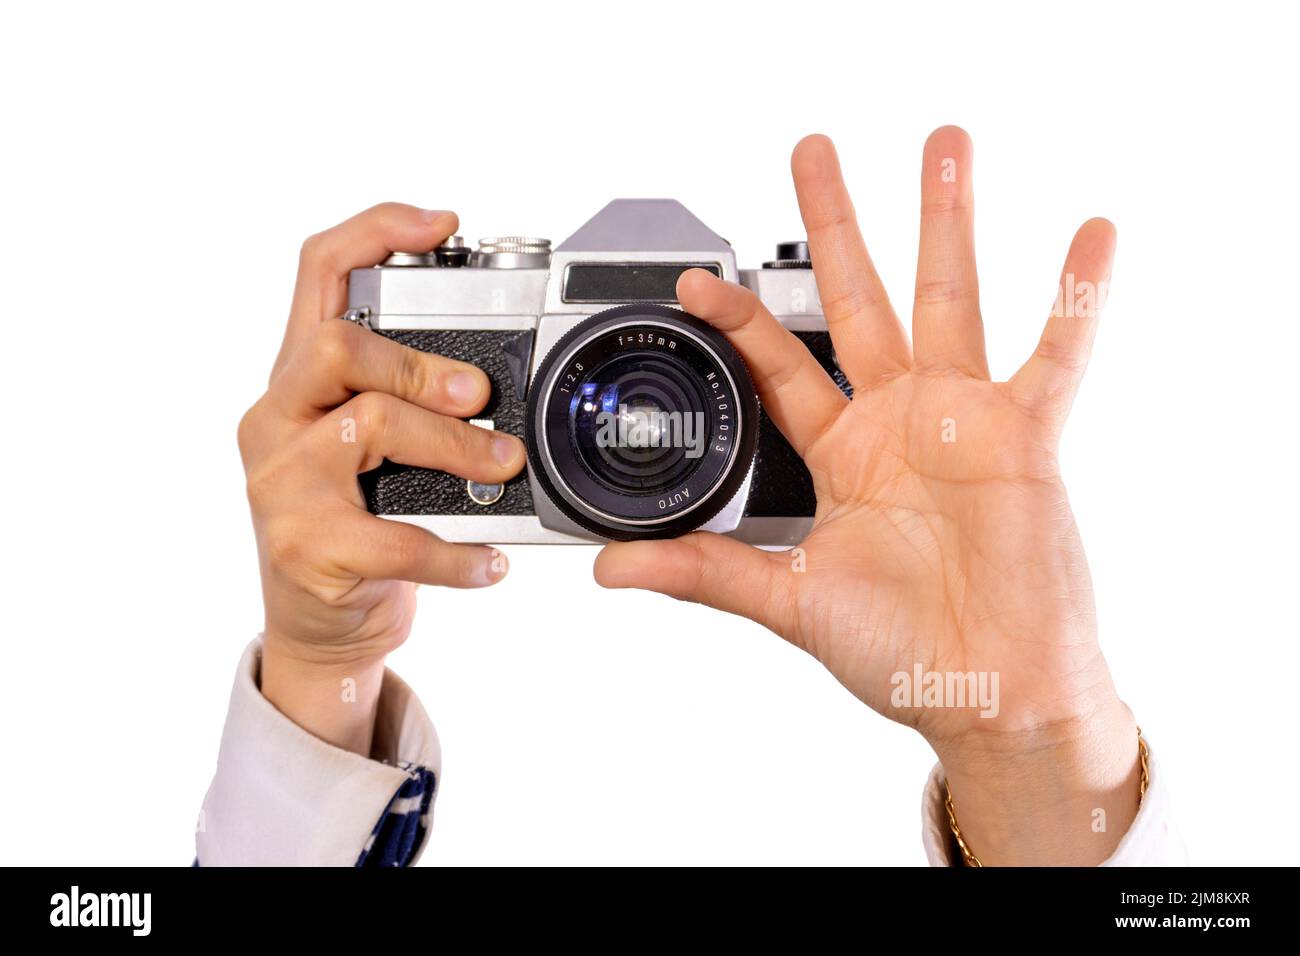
{"x":1152,"y":840}
{"x":282,"y":797}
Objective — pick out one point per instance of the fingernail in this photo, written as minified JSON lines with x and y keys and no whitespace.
{"x":690,"y":275}
{"x":429,"y":215}
{"x":488,"y":567}
{"x":503,"y":450}
{"x":497,"y":566}
{"x":464,"y":388}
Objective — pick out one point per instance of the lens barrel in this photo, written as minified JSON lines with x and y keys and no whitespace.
{"x":642,"y":423}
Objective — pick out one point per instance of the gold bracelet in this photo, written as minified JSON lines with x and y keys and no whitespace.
{"x":968,"y":855}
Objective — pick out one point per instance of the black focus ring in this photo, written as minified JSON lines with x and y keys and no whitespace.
{"x":732,"y":456}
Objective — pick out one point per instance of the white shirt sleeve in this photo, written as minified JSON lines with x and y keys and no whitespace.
{"x":1152,"y":840}
{"x":282,"y":797}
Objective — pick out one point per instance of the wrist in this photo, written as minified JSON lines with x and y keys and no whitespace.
{"x":1063,"y":793}
{"x":334,"y":700}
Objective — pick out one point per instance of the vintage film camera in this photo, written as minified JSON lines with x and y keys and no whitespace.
{"x":640,"y":420}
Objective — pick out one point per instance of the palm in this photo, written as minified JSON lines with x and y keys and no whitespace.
{"x":372,"y":617}
{"x":943,"y":538}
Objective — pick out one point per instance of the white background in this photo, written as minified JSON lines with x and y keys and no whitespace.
{"x":161,"y":165}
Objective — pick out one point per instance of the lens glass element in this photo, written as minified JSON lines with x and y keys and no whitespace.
{"x":638,"y":424}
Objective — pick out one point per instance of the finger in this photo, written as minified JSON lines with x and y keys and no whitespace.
{"x":388,"y":550}
{"x":366,"y":239}
{"x":796,"y":392}
{"x":869,"y":340}
{"x":1051,"y":376}
{"x":947,"y":332}
{"x":361,"y":433}
{"x":340,"y":359}
{"x":706,"y":568}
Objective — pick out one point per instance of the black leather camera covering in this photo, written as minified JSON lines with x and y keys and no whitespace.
{"x":781,"y":486}
{"x":404,"y":490}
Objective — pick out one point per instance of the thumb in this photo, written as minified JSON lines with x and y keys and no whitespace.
{"x":706,"y":568}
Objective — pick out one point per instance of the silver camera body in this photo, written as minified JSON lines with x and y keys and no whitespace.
{"x":521,"y":297}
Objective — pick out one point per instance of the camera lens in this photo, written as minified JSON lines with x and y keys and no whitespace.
{"x":634,"y":421}
{"x":642,"y":423}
